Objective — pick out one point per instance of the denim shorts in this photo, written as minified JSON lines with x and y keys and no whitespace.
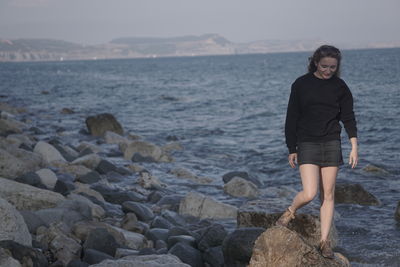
{"x":323,"y":154}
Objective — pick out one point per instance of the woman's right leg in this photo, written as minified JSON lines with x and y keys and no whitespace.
{"x":309,"y":174}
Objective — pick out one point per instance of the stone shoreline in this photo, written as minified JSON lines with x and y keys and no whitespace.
{"x":62,"y":205}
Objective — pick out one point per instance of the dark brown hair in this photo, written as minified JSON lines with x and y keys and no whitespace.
{"x":325,"y":51}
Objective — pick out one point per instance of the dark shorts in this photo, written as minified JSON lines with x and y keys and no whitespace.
{"x":323,"y":154}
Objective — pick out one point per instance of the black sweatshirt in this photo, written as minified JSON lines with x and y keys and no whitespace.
{"x":315,"y":108}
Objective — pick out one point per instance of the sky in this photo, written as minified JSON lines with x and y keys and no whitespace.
{"x":100,"y":21}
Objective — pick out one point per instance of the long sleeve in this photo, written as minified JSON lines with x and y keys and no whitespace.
{"x":347,"y":116}
{"x":291,"y":121}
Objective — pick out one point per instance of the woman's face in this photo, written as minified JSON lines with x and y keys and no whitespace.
{"x":326,"y":67}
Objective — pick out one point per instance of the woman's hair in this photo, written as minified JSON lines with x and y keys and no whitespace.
{"x":325,"y":51}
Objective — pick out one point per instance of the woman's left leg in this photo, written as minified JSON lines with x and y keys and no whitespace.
{"x":327,"y":195}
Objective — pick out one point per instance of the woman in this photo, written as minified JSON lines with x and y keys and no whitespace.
{"x":318,"y":101}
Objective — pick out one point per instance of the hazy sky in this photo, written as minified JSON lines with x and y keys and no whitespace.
{"x":99,"y":21}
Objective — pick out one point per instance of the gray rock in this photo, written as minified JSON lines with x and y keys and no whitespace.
{"x":65,"y":152}
{"x":160,"y":244}
{"x":139,"y":151}
{"x":397,"y":212}
{"x":93,"y":256}
{"x":15,"y":161}
{"x":173,"y":217}
{"x":123,"y":252}
{"x":160,"y":222}
{"x":147,"y":251}
{"x":64,"y":187}
{"x":212,"y":237}
{"x":170,"y":202}
{"x":26,"y":197}
{"x":187,"y":254}
{"x":166,"y":260}
{"x":12,"y":225}
{"x":101,"y":240}
{"x":354,"y":194}
{"x":201,"y":206}
{"x":115,"y":196}
{"x":26,"y":255}
{"x":155,"y":196}
{"x":98,"y":125}
{"x":48,"y":152}
{"x":175,"y":231}
{"x":89,"y":178}
{"x":238,"y":245}
{"x":77,"y":263}
{"x":214,"y":257}
{"x":129,"y":221}
{"x":114,"y":177}
{"x":142,"y":212}
{"x":90,"y":161}
{"x":47,"y":177}
{"x":132,"y":240}
{"x":244,"y":175}
{"x":113,"y":138}
{"x":105,"y":167}
{"x":187,"y":239}
{"x":32,"y":220}
{"x":6,"y":260}
{"x":239,"y":187}
{"x":155,"y":234}
{"x":32,"y":179}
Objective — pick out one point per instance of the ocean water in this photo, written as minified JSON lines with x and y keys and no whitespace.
{"x":228,"y":112}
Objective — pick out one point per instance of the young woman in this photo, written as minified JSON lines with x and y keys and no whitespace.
{"x":318,"y":101}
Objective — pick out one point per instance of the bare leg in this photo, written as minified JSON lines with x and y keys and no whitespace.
{"x":309,"y":178}
{"x":328,"y":180}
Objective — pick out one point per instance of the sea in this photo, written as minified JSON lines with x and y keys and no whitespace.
{"x":228,"y":113}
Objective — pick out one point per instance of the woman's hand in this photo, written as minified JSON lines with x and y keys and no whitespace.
{"x":353,"y":158}
{"x":293,"y":160}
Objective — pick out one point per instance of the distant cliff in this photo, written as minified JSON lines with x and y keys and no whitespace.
{"x":208,"y":44}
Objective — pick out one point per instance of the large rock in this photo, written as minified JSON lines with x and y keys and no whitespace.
{"x":15,"y":162}
{"x":115,"y":196}
{"x":255,"y":214}
{"x":354,"y":194}
{"x":213,"y":236}
{"x":142,"y":212}
{"x":238,"y":245}
{"x":140,"y":151}
{"x":100,"y":239}
{"x":201,"y":206}
{"x":166,"y":260}
{"x":12,"y":225}
{"x":26,"y":255}
{"x":48,"y":152}
{"x":6,"y":260}
{"x":113,"y":138}
{"x":9,"y":125}
{"x":146,"y":180}
{"x":47,"y":177}
{"x":279,"y":246}
{"x":187,"y":254}
{"x":132,"y":240}
{"x":244,"y":175}
{"x":239,"y":187}
{"x":90,"y":161}
{"x":26,"y":197}
{"x":99,"y":124}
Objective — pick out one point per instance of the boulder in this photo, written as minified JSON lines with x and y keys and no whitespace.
{"x":279,"y":246}
{"x":88,"y":147}
{"x":115,"y":196}
{"x":26,"y":197}
{"x":166,"y":260}
{"x":140,"y":151}
{"x":6,"y":260}
{"x":32,"y":220}
{"x":132,"y":240}
{"x":354,"y":194}
{"x":214,"y":256}
{"x":113,"y":138}
{"x":375,"y":170}
{"x":48,"y":152}
{"x":244,"y":175}
{"x":20,"y":139}
{"x":155,"y":234}
{"x":98,"y":125}
{"x":186,"y":239}
{"x":90,"y":161}
{"x":97,"y":211}
{"x":213,"y":236}
{"x":100,"y":239}
{"x":187,"y":254}
{"x":82,"y":229}
{"x":47,"y":177}
{"x":160,"y":222}
{"x":31,"y":178}
{"x":86,"y":190}
{"x":201,"y":206}
{"x":142,"y":212}
{"x":74,"y":170}
{"x":12,"y":225}
{"x":238,"y":245}
{"x":239,"y":187}
{"x":186,"y":174}
{"x":9,"y":126}
{"x":93,"y":256}
{"x":255,"y":214}
{"x":129,"y":222}
{"x":25,"y":255}
{"x":105,"y":166}
{"x":15,"y":162}
{"x":89,"y":178}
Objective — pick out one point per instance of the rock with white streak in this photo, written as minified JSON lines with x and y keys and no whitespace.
{"x":26,"y":197}
{"x":12,"y":225}
{"x":49,"y":153}
{"x":90,"y":161}
{"x":201,"y":206}
{"x":47,"y":177}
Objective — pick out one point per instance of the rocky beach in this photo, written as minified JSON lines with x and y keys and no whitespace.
{"x":98,"y":204}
